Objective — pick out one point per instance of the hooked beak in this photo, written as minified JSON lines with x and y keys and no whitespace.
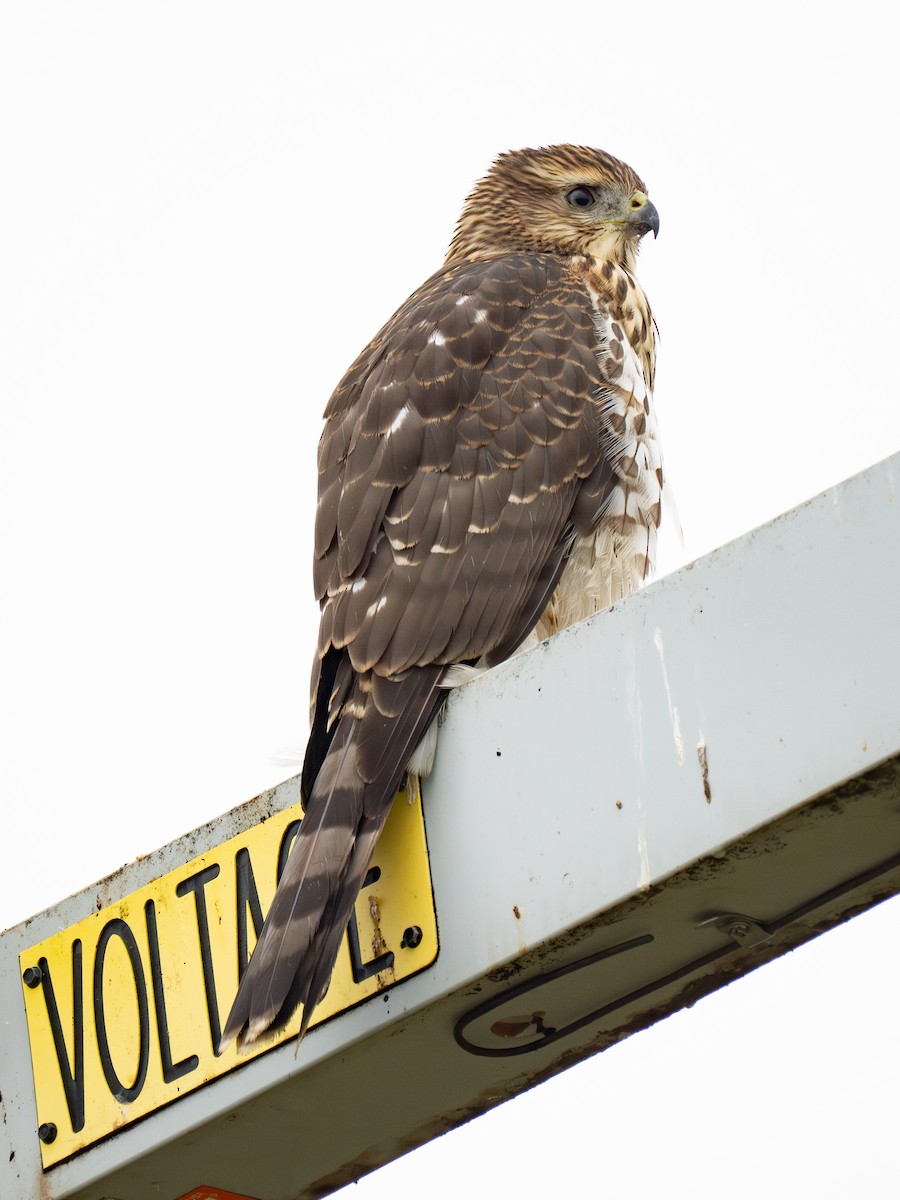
{"x":644,"y":219}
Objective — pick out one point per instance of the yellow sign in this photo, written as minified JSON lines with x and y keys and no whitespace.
{"x":125,"y":1008}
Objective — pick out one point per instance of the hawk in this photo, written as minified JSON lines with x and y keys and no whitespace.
{"x":489,"y":472}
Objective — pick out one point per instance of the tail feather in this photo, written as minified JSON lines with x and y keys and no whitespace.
{"x":346,"y":809}
{"x":337,"y":917}
{"x":276,"y":977}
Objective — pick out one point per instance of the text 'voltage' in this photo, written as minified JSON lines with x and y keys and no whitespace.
{"x":124,"y":1008}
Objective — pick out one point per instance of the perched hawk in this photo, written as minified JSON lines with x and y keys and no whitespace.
{"x":489,"y":473}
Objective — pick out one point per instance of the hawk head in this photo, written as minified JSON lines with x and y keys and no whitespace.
{"x":556,"y":200}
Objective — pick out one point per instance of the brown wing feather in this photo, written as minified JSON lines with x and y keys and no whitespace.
{"x":487,"y":379}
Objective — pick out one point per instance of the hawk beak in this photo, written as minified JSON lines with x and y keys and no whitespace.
{"x":644,"y":219}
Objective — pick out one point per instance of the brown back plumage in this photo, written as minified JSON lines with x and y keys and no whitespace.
{"x":478,"y":445}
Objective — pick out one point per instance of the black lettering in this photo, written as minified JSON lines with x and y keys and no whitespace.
{"x":247,"y":898}
{"x":118,"y":928}
{"x":287,"y":844}
{"x":196,"y":884}
{"x":365,"y":970}
{"x":72,"y":1079}
{"x":171,"y":1071}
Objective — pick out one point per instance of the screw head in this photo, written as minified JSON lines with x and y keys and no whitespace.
{"x":47,"y":1132}
{"x":32,"y":976}
{"x":739,"y":929}
{"x":412,"y":937}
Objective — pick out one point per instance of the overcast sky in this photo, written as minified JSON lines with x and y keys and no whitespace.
{"x":207,"y":210}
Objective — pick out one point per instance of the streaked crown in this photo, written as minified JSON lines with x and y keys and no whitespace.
{"x":555,"y":200}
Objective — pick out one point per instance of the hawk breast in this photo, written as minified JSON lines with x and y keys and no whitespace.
{"x":613,"y":558}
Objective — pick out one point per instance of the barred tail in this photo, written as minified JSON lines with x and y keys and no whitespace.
{"x":345,"y":812}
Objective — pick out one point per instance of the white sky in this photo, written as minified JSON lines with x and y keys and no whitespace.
{"x":207,"y":210}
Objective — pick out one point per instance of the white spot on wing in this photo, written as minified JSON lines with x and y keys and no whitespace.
{"x":460,"y":673}
{"x":399,"y":419}
{"x":422,"y":758}
{"x":436,"y":338}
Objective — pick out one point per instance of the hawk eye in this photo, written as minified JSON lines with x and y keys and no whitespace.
{"x":580,"y":197}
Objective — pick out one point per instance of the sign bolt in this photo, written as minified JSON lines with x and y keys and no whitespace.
{"x":47,"y":1133}
{"x":32,"y":976}
{"x":739,"y":929}
{"x":412,"y":937}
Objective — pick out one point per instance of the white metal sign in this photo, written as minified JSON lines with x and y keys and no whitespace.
{"x":621,"y":820}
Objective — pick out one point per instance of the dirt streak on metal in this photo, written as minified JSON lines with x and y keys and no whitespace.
{"x":704,"y":771}
{"x":388,"y":976}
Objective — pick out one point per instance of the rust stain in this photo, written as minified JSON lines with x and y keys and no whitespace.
{"x":704,"y":770}
{"x":511,"y":1029}
{"x":516,"y":912}
{"x":515,"y":1026}
{"x":379,"y":945}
